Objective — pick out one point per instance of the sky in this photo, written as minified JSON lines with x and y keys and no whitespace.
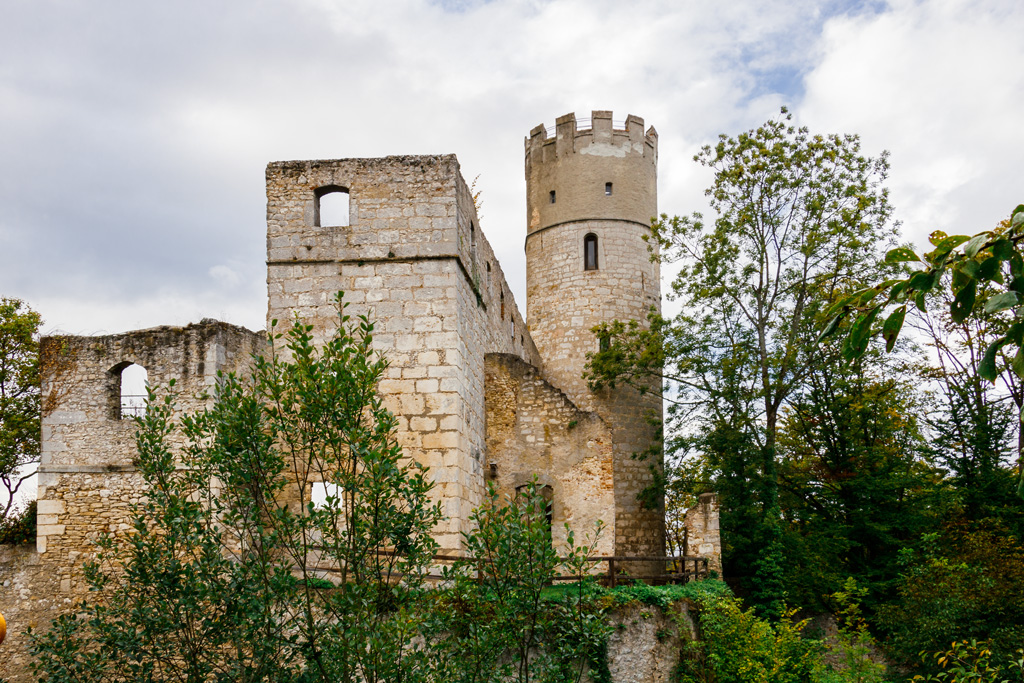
{"x":134,"y":135}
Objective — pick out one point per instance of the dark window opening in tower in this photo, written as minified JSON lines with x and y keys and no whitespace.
{"x":502,"y":315}
{"x":552,"y":195}
{"x":512,"y":327}
{"x":607,"y":189}
{"x":604,"y":342}
{"x":590,"y":252}
{"x":133,"y":383}
{"x":331,"y":208}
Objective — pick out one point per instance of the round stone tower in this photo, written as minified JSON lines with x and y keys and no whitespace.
{"x":591,"y":192}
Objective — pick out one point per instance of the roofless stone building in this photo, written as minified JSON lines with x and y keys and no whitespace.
{"x":481,"y":394}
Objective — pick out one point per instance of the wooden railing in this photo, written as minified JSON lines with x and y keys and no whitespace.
{"x":680,"y":569}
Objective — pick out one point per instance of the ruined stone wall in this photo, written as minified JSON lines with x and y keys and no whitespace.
{"x":703,"y":535}
{"x":566,"y":299}
{"x":414,"y":258}
{"x":533,"y":430}
{"x":87,"y":472}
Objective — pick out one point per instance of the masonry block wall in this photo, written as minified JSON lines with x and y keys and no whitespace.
{"x":703,"y":534}
{"x":591,"y":195}
{"x":414,"y":257}
{"x":535,"y":432}
{"x":87,"y":472}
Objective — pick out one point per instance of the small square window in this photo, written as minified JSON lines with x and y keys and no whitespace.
{"x":607,"y":189}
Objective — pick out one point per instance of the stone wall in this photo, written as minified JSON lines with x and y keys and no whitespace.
{"x":566,"y":298}
{"x":414,"y":258}
{"x":703,"y":536}
{"x":534,"y":431}
{"x":87,"y":473}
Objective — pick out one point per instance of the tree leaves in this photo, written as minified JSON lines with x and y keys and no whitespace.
{"x":1000,"y":302}
{"x":891,"y":327}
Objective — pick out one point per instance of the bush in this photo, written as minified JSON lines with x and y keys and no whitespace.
{"x":736,"y":646}
{"x":19,"y":527}
{"x":966,"y":584}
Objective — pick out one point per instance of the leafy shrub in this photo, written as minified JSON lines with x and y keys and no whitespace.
{"x":966,"y":584}
{"x":19,"y":527}
{"x":736,"y":646}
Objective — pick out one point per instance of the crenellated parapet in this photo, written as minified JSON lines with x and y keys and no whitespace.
{"x":591,"y":169}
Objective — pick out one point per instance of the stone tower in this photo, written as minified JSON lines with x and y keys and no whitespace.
{"x":591,"y":193}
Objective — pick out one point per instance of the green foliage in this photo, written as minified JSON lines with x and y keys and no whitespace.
{"x":736,"y":646}
{"x":983,"y":275}
{"x":965,"y":584}
{"x":19,"y":397}
{"x":854,"y":486}
{"x":854,"y":643}
{"x":971,"y":662}
{"x":20,"y":526}
{"x":498,"y":622}
{"x":218,"y":579}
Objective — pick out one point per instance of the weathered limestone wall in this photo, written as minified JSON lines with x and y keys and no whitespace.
{"x":703,"y":536}
{"x":533,"y":430}
{"x":29,"y":597}
{"x":414,"y":257}
{"x":565,"y":300}
{"x":87,"y":473}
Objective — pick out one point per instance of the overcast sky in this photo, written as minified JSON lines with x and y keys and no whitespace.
{"x":134,"y":135}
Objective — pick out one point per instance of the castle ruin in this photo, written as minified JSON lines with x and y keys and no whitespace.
{"x":481,"y":394}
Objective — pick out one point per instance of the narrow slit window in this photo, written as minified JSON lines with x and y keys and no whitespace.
{"x":502,"y":315}
{"x":607,"y":189}
{"x":332,"y":207}
{"x":552,"y":196}
{"x":590,"y":252}
{"x":134,"y":380}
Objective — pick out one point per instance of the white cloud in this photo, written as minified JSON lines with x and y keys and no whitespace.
{"x":941,"y":85}
{"x":135,"y":139}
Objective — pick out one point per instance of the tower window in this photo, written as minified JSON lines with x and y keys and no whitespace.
{"x":552,"y":195}
{"x":607,"y":189}
{"x":590,"y":252}
{"x":331,"y":208}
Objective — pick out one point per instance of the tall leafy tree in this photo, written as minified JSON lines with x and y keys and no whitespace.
{"x":978,"y":276}
{"x":800,"y":219}
{"x":19,"y":397}
{"x":231,"y":573}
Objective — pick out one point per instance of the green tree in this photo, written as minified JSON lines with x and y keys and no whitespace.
{"x":231,"y":573}
{"x":964,"y":583}
{"x":982,"y":275}
{"x":495,"y":623}
{"x":19,"y":397}
{"x":974,"y":431}
{"x":799,"y":219}
{"x":854,"y":487}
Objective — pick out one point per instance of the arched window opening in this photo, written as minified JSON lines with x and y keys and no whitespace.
{"x":331,"y":209}
{"x":590,"y":252}
{"x":607,"y":189}
{"x":552,"y":196}
{"x":134,"y":381}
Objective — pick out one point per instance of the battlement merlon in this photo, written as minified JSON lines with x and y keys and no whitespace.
{"x":601,"y":138}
